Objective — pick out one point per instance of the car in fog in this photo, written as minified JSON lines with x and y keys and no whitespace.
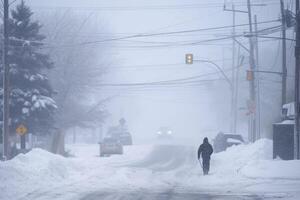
{"x":164,"y":133}
{"x":110,"y":146}
{"x":120,"y":134}
{"x":126,"y":138}
{"x":224,"y":140}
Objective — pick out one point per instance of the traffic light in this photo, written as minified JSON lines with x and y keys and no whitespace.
{"x":189,"y":58}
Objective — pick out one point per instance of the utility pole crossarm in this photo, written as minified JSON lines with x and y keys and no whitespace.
{"x":234,"y":10}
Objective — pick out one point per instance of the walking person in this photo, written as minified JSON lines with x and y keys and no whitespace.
{"x":205,"y":150}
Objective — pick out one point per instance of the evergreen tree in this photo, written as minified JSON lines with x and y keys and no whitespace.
{"x":30,"y":91}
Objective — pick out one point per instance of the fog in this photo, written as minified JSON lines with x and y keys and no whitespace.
{"x":191,"y":111}
{"x":149,"y":100}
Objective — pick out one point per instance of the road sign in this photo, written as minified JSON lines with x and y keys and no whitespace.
{"x":189,"y":58}
{"x":251,"y":106}
{"x":21,"y":130}
{"x":250,"y":75}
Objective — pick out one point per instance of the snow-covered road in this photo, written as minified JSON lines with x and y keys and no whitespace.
{"x":173,"y":165}
{"x":171,"y":195}
{"x":150,"y":172}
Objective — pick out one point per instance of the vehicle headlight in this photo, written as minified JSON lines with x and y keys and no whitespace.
{"x":169,"y":132}
{"x":159,"y":132}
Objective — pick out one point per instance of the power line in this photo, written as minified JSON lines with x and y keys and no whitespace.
{"x":203,"y":43}
{"x":150,"y":7}
{"x":180,"y":32}
{"x":150,"y":35}
{"x":182,"y":81}
{"x":158,"y":87}
{"x":263,"y":31}
{"x":159,"y":66}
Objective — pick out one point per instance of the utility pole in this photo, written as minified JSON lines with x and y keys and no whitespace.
{"x":284,"y":67}
{"x":5,"y":109}
{"x":258,"y":134}
{"x":252,"y":125}
{"x":297,"y":82}
{"x":237,"y":73}
{"x":233,"y":89}
{"x":252,"y":102}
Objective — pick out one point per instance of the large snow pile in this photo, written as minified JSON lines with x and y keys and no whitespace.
{"x":40,"y":174}
{"x":235,"y":158}
{"x":255,"y":161}
{"x":38,"y":168}
{"x":242,"y":167}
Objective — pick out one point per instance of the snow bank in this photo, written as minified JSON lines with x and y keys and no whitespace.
{"x":31,"y":175}
{"x":236,"y":158}
{"x":26,"y":172}
{"x":241,"y":167}
{"x":276,"y":169}
{"x":256,"y":161}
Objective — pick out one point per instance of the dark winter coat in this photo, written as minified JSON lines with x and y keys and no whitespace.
{"x":205,"y":150}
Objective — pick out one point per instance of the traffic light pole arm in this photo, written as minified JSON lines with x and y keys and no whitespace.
{"x":219,"y":68}
{"x":268,"y":72}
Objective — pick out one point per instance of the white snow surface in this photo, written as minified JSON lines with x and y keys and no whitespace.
{"x":240,"y":169}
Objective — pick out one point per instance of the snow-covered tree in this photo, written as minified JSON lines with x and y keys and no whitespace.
{"x":78,"y":72}
{"x":30,"y":91}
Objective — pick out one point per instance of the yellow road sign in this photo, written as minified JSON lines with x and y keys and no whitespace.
{"x":21,"y":130}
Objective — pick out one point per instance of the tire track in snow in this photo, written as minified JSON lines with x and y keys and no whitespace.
{"x":165,"y":158}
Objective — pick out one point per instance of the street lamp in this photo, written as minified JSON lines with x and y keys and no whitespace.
{"x":234,"y":95}
{"x":189,"y":59}
{"x":219,"y":69}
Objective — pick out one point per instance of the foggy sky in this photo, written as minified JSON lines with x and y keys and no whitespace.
{"x":190,"y":111}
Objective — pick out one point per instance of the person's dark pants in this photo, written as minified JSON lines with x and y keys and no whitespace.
{"x":206,"y":165}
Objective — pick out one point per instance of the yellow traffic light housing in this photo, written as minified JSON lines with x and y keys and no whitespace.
{"x":189,"y":58}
